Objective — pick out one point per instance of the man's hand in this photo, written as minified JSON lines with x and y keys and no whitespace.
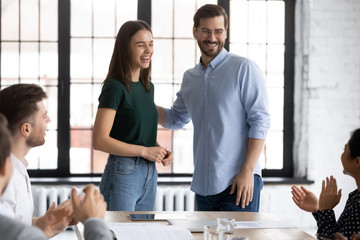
{"x":93,"y":204}
{"x":56,"y":219}
{"x":244,"y":186}
{"x":329,"y":196}
{"x":305,"y":199}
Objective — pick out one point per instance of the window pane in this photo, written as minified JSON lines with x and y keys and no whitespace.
{"x":275,"y":58}
{"x":104,"y":18}
{"x":257,"y":53}
{"x":29,"y":11}
{"x":126,"y":10}
{"x":81,"y":106}
{"x":203,"y":2}
{"x":9,"y":20}
{"x":80,"y":151}
{"x":276,"y":106}
{"x":275,"y":79}
{"x":163,"y":95}
{"x":48,"y":63}
{"x":29,"y":61}
{"x":48,"y":20}
{"x":81,"y":60}
{"x":103,"y":49}
{"x":162,"y":18}
{"x":81,"y":18}
{"x":9,"y":63}
{"x":276,"y":21}
{"x":274,"y":150}
{"x":239,"y":21}
{"x":257,"y":21}
{"x":184,"y":59}
{"x":184,"y":13}
{"x":162,"y":67}
{"x":240,"y":49}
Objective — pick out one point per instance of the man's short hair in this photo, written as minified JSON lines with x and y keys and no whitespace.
{"x":5,"y":141}
{"x":210,"y":11}
{"x":18,"y":103}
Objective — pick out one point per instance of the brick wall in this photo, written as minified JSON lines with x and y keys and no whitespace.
{"x":327,"y":100}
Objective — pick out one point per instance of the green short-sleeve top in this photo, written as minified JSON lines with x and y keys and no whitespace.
{"x":136,"y":116}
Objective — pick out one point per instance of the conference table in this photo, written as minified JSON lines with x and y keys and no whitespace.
{"x":251,"y":234}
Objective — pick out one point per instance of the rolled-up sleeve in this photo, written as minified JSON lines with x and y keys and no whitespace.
{"x":255,"y":100}
{"x":178,"y":116}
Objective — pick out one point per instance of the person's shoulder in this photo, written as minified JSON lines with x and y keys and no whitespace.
{"x":197,"y":69}
{"x":238,"y":59}
{"x":12,"y":229}
{"x":242,"y":62}
{"x":111,"y":82}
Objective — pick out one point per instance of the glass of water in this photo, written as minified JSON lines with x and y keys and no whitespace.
{"x":212,"y":233}
{"x":226,"y":225}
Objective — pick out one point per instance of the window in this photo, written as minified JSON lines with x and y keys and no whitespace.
{"x":65,"y":46}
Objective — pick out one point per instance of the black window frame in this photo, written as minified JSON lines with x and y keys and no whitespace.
{"x":144,"y":13}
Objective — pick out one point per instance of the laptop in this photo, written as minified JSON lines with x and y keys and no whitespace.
{"x":193,"y":225}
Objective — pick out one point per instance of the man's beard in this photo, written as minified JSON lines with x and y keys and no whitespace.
{"x":34,"y":142}
{"x":210,"y":53}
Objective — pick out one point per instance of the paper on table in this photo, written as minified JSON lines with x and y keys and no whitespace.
{"x":258,"y":224}
{"x":144,"y":231}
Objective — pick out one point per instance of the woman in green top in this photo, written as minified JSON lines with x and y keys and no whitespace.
{"x":126,"y":123}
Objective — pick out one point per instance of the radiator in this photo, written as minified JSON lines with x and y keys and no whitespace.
{"x":168,"y":198}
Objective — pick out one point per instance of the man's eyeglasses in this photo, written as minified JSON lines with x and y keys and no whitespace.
{"x":207,"y":32}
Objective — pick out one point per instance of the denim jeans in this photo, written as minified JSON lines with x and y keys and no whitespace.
{"x":225,"y":202}
{"x":129,"y":184}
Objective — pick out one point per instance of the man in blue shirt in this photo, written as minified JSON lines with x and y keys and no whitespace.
{"x":225,"y":97}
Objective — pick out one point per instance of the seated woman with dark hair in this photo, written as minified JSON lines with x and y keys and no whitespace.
{"x":348,"y":223}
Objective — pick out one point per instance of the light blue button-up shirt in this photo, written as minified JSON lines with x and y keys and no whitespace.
{"x":228,"y":104}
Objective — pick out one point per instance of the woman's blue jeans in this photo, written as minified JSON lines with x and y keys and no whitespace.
{"x":129,"y":184}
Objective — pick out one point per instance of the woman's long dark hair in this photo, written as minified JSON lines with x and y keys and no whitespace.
{"x":354,"y":144}
{"x":120,"y":64}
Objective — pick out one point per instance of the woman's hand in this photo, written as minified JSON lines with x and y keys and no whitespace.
{"x":305,"y":199}
{"x":154,"y":154}
{"x":168,"y":159}
{"x":339,"y":236}
{"x":329,"y":196}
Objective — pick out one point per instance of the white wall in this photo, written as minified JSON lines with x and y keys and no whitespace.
{"x":327,"y":100}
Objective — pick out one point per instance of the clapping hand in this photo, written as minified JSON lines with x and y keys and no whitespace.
{"x":329,"y":196}
{"x":305,"y":199}
{"x":56,"y":219}
{"x":92,"y":206}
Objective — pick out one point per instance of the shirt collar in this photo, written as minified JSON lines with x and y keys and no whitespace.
{"x":23,"y":161}
{"x":217,"y":60}
{"x":355,"y":194}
